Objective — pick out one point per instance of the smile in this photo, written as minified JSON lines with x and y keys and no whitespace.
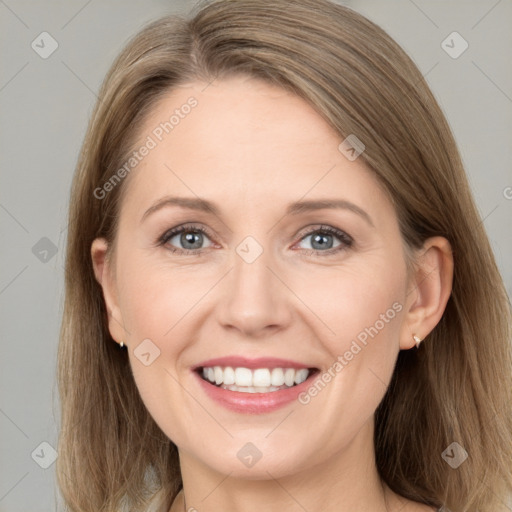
{"x":260,"y":380}
{"x":253,"y":386}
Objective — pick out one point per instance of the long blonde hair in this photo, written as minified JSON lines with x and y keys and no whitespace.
{"x":455,"y":388}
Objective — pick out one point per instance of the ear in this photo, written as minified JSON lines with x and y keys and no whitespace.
{"x":428,"y":291}
{"x":105,"y":277}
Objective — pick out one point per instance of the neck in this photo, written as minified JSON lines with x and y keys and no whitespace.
{"x":347,"y":481}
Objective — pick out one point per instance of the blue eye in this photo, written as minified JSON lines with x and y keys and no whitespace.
{"x":322,"y":241}
{"x":191,"y":239}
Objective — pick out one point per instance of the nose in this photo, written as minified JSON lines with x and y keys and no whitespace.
{"x":255,"y":301}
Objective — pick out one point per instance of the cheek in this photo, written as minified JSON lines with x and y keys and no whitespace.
{"x":340,"y":308}
{"x":361,"y":317}
{"x":361,"y":309}
{"x":155,"y":299}
{"x":357,"y":304}
{"x":156,"y":305}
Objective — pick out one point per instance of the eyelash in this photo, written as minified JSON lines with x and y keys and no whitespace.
{"x":346,"y":240}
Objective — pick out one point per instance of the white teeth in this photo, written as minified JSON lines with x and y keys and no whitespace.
{"x":289,"y":377}
{"x":253,"y":389}
{"x":301,"y":375}
{"x":261,"y":377}
{"x":243,"y":377}
{"x":219,"y":376}
{"x":229,"y":376}
{"x":260,"y":380}
{"x":277,"y":377}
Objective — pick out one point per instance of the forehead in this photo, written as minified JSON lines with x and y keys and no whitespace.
{"x":242,"y":139}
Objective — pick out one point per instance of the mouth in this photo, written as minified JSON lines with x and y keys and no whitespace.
{"x":253,"y":386}
{"x":259,"y":380}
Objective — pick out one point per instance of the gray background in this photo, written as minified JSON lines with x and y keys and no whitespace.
{"x":45,"y":105}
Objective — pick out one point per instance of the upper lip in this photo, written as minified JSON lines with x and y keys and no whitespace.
{"x":244,"y":362}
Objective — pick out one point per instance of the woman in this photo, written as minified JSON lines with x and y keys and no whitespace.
{"x":336,"y":336}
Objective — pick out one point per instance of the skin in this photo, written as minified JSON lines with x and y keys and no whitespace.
{"x":252,"y":149}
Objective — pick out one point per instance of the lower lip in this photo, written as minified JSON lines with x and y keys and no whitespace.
{"x":253,"y":403}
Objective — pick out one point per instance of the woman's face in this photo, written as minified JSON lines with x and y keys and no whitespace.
{"x":272,"y":277}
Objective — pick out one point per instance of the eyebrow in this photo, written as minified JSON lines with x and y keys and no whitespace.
{"x":295,"y":208}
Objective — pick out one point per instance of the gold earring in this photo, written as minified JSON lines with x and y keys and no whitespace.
{"x":417,"y":340}
{"x":121,"y":344}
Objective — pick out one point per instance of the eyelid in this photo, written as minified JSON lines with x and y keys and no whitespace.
{"x":346,"y":240}
{"x":325,"y":228}
{"x":176,"y":230}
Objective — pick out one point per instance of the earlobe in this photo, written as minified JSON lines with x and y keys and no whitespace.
{"x":103,"y":275}
{"x":429,"y":291}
